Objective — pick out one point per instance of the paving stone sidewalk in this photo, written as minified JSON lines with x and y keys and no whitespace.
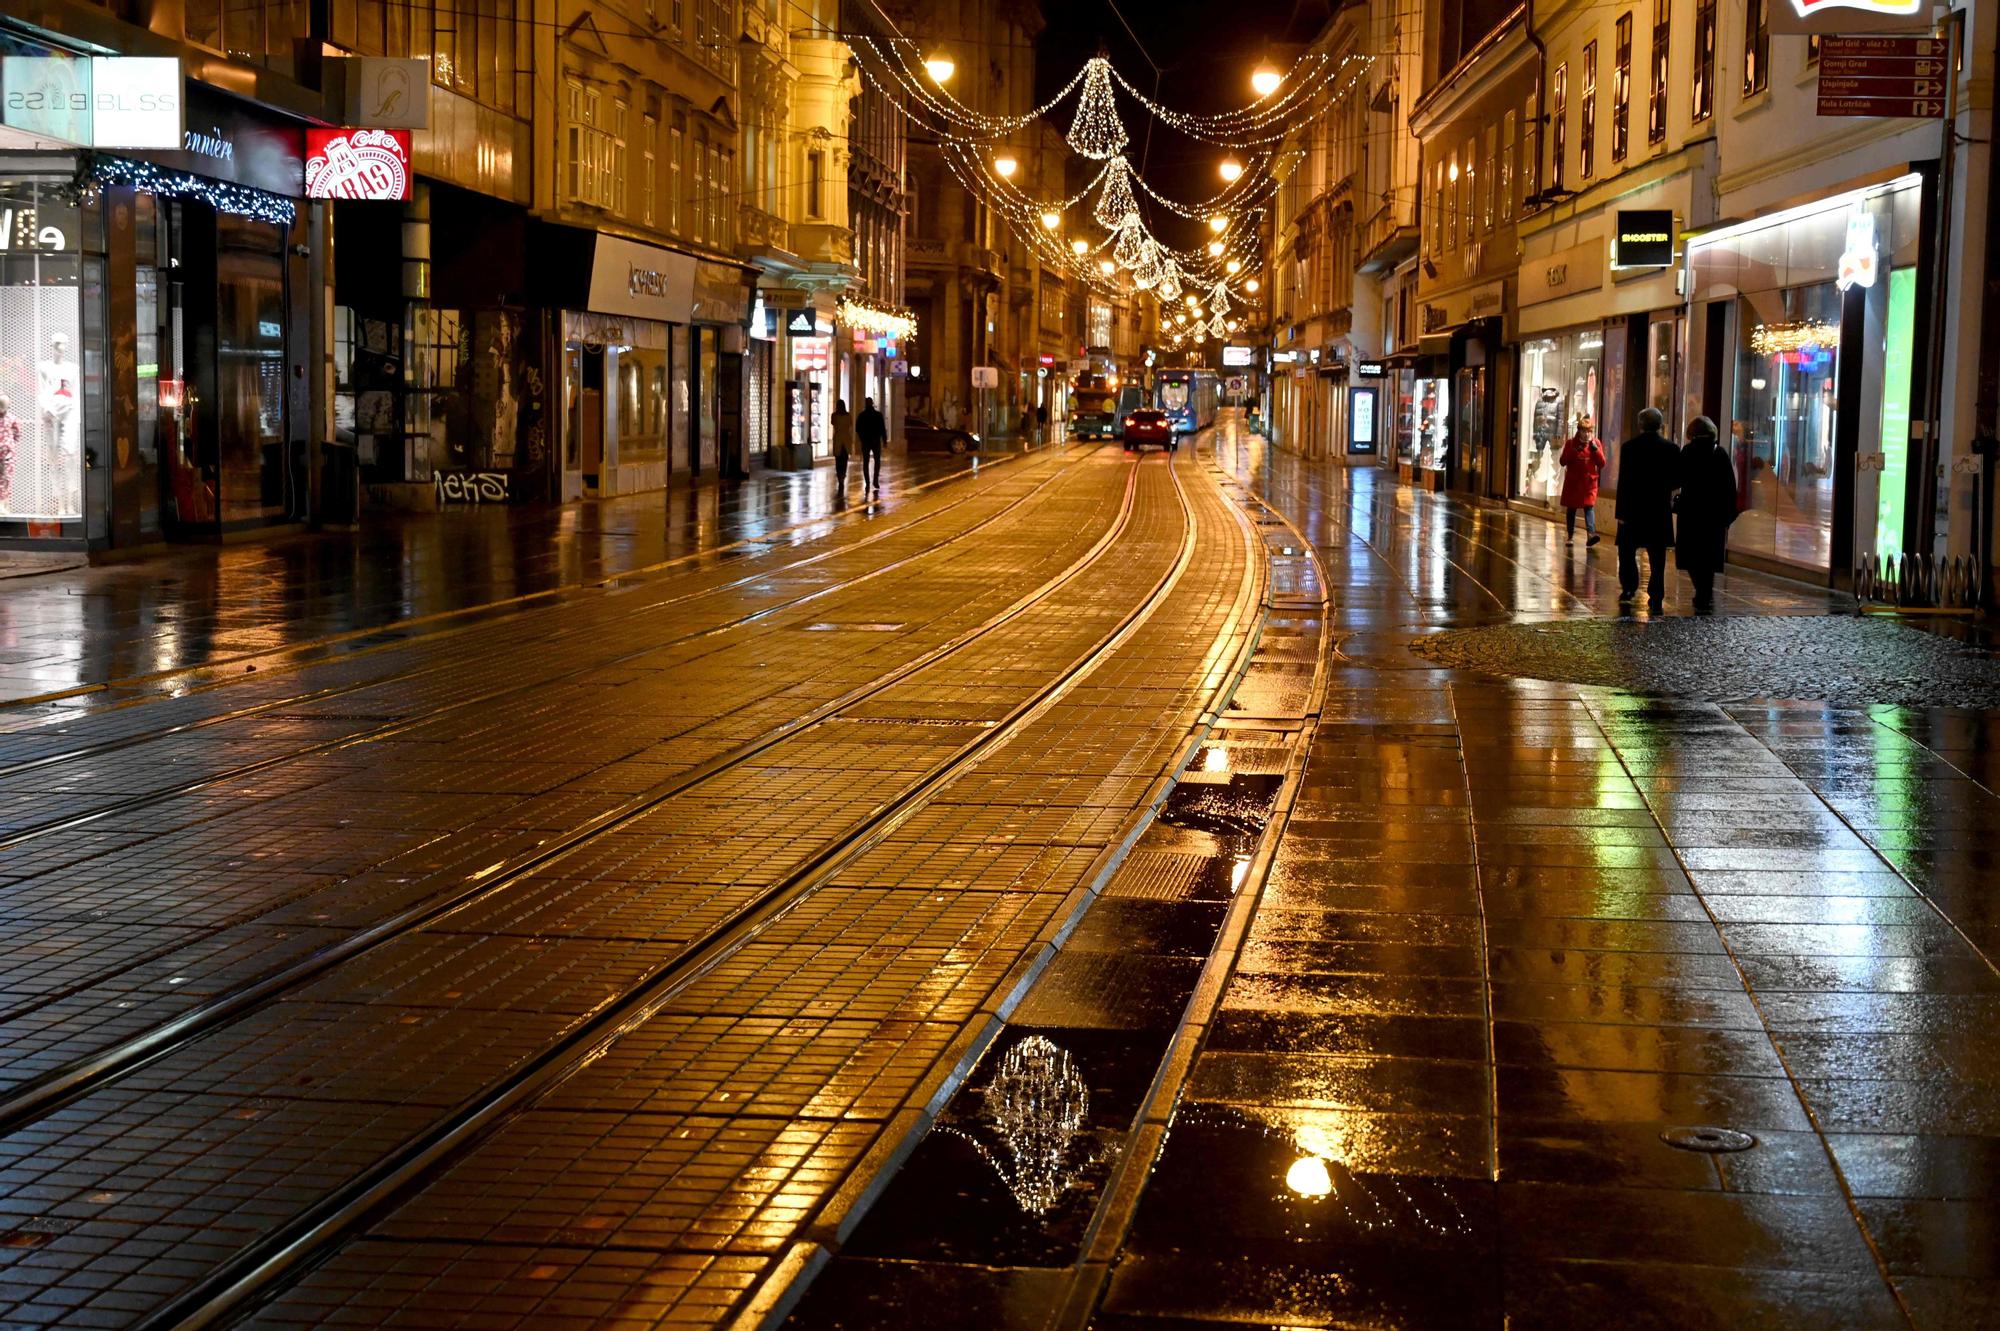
{"x":1532,"y":950}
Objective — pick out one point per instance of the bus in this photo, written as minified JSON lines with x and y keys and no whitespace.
{"x":1188,"y":396}
{"x":1093,"y":410}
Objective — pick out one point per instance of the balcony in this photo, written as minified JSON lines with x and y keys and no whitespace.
{"x":759,"y":230}
{"x":823,"y":243}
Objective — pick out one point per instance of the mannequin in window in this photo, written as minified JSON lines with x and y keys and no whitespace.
{"x":10,"y":448}
{"x":57,"y":387}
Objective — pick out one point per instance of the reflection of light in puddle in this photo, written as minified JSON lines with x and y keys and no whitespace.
{"x":1215,"y":760}
{"x":1238,"y":873}
{"x":1308,"y":1177}
{"x":1036,"y":1105}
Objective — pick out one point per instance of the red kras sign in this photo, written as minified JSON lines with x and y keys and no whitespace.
{"x":357,"y":164}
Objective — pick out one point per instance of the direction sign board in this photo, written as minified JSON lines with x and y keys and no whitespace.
{"x":1882,"y":76}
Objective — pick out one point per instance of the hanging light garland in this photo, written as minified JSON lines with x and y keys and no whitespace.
{"x":1096,"y":132}
{"x":1129,"y":256}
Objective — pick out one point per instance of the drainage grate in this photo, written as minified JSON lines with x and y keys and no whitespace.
{"x":1710,"y":1141}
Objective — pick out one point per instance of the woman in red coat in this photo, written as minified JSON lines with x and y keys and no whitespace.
{"x":1583,"y":461}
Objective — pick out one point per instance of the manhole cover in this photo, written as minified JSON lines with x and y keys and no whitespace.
{"x":1711,"y":1141}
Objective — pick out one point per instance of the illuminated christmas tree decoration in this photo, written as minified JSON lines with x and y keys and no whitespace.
{"x":1096,"y":132}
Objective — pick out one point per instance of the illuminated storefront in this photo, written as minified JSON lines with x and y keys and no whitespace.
{"x":1803,"y":337}
{"x":151,"y":305}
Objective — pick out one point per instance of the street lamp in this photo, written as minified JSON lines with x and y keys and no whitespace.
{"x":1232,"y":170}
{"x":1107,"y":266}
{"x":1233,"y":266}
{"x":1217,"y":223}
{"x":1252,"y":285}
{"x":1051,"y":219}
{"x":940,"y":67}
{"x":1266,"y":80}
{"x":1006,"y":166}
{"x":1080,"y":246}
{"x":1215,"y":248}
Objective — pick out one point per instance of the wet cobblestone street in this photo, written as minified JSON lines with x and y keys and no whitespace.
{"x":1147,"y":894}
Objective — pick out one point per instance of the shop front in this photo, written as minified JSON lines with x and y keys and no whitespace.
{"x":622,"y":320}
{"x":152,"y":318}
{"x":1803,"y":345}
{"x":1462,"y":336}
{"x":719,"y":345}
{"x":814,"y":381}
{"x":879,"y":338}
{"x":1600,"y":332}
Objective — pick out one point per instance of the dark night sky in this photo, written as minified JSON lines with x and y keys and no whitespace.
{"x":1207,"y":50}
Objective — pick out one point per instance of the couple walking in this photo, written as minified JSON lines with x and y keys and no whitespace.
{"x":1658,"y":483}
{"x":871,"y":431}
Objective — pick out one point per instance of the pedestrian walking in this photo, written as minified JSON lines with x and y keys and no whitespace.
{"x":1706,"y":507}
{"x":1648,"y":466}
{"x":843,"y":443}
{"x":873,"y":432}
{"x":1583,"y":460}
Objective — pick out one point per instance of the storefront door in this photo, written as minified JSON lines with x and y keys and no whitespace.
{"x":1468,"y":428}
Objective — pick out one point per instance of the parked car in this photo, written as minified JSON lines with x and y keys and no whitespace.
{"x":1150,"y":425}
{"x":920,"y":436}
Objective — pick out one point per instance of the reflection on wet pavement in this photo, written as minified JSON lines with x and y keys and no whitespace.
{"x":1525,"y":943}
{"x":1034,"y":1111}
{"x":198,"y":606}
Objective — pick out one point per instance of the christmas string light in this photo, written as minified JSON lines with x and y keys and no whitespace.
{"x":1096,"y":132}
{"x":1117,"y":202}
{"x":221,"y":195}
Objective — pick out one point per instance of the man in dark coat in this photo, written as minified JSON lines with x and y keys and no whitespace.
{"x":1706,"y":507}
{"x":871,"y":431}
{"x":1648,"y":466}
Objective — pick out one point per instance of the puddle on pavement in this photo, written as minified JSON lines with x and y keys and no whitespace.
{"x":1007,"y":1181}
{"x":1239,"y":807}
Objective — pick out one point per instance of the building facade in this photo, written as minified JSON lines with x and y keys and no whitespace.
{"x":1601,"y":208}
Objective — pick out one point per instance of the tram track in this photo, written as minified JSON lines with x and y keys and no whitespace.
{"x":259,"y":1267}
{"x":507,"y":607}
{"x":41,"y":1094}
{"x":401,"y":724}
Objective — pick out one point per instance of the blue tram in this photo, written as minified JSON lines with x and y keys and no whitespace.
{"x":1188,"y":397}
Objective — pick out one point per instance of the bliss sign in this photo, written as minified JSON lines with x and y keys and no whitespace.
{"x":358,"y":164}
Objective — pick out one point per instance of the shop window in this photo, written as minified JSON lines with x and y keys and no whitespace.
{"x":1561,"y":379}
{"x":41,"y":353}
{"x":1621,"y":89}
{"x":1703,"y":102}
{"x":1782,"y":419}
{"x":1756,"y":46}
{"x":257,"y":475}
{"x":1586,"y":132}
